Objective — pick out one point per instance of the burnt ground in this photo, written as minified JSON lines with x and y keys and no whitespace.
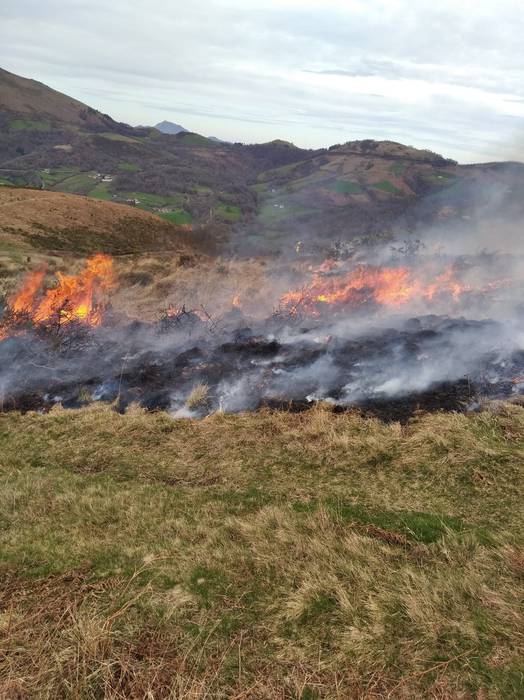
{"x":427,"y":364}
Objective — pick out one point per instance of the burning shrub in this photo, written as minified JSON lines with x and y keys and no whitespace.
{"x":75,"y":298}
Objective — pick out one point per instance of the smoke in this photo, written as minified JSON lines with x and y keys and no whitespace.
{"x":435,"y":321}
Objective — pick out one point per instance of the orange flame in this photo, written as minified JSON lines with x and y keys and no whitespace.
{"x":387,"y":286}
{"x":75,"y":298}
{"x":24,"y":299}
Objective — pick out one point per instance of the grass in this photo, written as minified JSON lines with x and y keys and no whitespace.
{"x":13,"y":181}
{"x":28,"y":125}
{"x":228,"y":212}
{"x":125,"y":236}
{"x":270,"y":213}
{"x":345,"y":187}
{"x":268,"y":555}
{"x":198,"y":397}
{"x":179,"y":217}
{"x":76,"y":183}
{"x":386,"y":186}
{"x":190,"y":139}
{"x":100,"y":191}
{"x":118,"y":137}
{"x":210,"y":283}
{"x":56,"y":175}
{"x":276,"y":173}
{"x":150,"y":201}
{"x":128,"y":167}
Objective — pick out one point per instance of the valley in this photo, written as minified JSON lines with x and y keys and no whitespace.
{"x":261,"y":415}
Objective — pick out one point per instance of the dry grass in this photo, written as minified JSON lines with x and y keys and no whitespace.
{"x":62,"y":229}
{"x":267,"y":555}
{"x":31,"y":211}
{"x":150,"y":283}
{"x":198,"y":397}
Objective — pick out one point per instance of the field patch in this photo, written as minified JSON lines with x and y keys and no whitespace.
{"x":150,"y":201}
{"x":179,"y":216}
{"x":100,"y":191}
{"x":345,"y":187}
{"x":386,"y":186}
{"x":52,"y":176}
{"x":128,"y":167}
{"x":76,"y":183}
{"x":29,"y":125}
{"x":228,"y":212}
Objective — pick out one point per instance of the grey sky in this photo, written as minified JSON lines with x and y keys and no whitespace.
{"x":448,"y":75}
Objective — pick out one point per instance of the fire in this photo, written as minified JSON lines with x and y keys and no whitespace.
{"x":75,"y":297}
{"x":24,"y":299}
{"x":446,"y":282}
{"x":386,"y":286}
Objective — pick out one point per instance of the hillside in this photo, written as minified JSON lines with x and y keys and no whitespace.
{"x":41,"y":105}
{"x":55,"y":221}
{"x":50,"y":141}
{"x":60,"y":229}
{"x":336,"y":557}
{"x":374,"y":190}
{"x":274,"y":197}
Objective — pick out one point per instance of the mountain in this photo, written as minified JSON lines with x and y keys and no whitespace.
{"x":169,"y":127}
{"x":272,"y":197}
{"x":38,"y":105}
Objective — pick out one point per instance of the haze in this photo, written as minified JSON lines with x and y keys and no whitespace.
{"x":447,"y":76}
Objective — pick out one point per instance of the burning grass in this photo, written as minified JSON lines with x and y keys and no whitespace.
{"x":267,"y":555}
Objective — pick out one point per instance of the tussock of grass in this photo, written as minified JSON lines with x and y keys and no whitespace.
{"x":260,"y":555}
{"x":198,"y":397}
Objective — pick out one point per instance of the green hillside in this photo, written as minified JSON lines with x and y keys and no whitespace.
{"x":270,"y":196}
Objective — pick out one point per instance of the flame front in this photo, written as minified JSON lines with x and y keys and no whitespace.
{"x":75,"y":298}
{"x":386,"y":286}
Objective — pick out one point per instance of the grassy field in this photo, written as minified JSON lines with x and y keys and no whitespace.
{"x":345,"y":187}
{"x":76,"y":183}
{"x":228,"y":212}
{"x":190,"y":139}
{"x":28,"y":125}
{"x":128,"y":167}
{"x":386,"y":186}
{"x":119,"y":137}
{"x":179,"y":217}
{"x":267,"y":555}
{"x":100,"y":191}
{"x":271,"y":213}
{"x":150,"y":201}
{"x":56,"y":175}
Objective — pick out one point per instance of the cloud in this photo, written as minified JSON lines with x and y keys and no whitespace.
{"x":446,"y":75}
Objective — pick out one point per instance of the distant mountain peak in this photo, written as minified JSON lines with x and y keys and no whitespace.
{"x":167,"y":127}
